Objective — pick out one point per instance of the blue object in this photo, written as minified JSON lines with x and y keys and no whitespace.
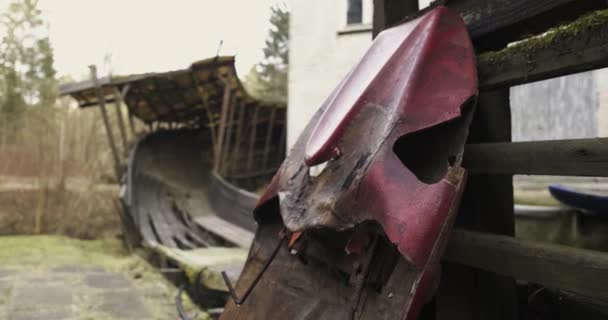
{"x":590,"y":203}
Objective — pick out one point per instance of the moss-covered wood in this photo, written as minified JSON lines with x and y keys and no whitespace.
{"x":575,"y":47}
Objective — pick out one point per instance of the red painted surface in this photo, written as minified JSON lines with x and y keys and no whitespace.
{"x":415,"y":76}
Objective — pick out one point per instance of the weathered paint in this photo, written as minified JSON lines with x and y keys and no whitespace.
{"x":408,"y":95}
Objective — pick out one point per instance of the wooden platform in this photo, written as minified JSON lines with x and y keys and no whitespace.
{"x":226,"y":230}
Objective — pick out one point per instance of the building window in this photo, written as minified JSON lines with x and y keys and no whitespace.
{"x":354,"y":13}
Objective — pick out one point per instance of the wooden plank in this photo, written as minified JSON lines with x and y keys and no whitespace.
{"x":576,"y":157}
{"x":237,"y":154}
{"x":494,"y":23}
{"x":576,"y":47}
{"x":254,"y":128}
{"x":487,"y":205}
{"x":269,"y":131}
{"x":106,"y":122}
{"x":225,"y":156}
{"x":226,"y":230}
{"x":222,"y":130}
{"x":579,"y":271}
{"x":121,"y":122}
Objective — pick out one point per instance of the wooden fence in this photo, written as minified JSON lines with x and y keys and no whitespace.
{"x":484,"y":262}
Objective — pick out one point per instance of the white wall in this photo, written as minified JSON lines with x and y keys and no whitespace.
{"x":319,"y":55}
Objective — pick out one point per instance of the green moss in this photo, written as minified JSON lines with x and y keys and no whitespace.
{"x":586,"y":24}
{"x":47,"y":250}
{"x":209,"y":261}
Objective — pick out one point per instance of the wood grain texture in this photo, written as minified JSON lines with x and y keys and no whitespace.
{"x":487,"y":205}
{"x":579,"y":46}
{"x":495,"y":23}
{"x":576,"y":270}
{"x":576,"y":157}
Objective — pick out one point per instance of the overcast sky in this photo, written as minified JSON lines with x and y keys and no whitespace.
{"x":153,"y":35}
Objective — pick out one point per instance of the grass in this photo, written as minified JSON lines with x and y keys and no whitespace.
{"x":44,"y":252}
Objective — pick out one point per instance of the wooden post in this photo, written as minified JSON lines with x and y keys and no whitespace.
{"x":228,"y":138}
{"x":121,"y":122}
{"x":468,"y":293}
{"x":281,"y":149}
{"x":211,"y":126}
{"x":239,"y":132}
{"x":220,"y":136}
{"x":123,"y":94}
{"x":389,"y":12}
{"x":101,"y":100}
{"x":254,"y":124}
{"x":268,"y":138}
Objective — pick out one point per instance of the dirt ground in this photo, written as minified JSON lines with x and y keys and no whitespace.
{"x":59,"y":278}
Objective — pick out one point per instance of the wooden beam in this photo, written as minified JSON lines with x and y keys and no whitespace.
{"x":252,"y":138}
{"x":577,"y":157}
{"x":579,"y":46}
{"x":579,"y":271}
{"x":494,"y":23}
{"x":225,"y":157}
{"x":487,"y":205}
{"x":121,"y":122}
{"x":222,"y":130}
{"x":237,"y":155}
{"x":106,"y":122}
{"x":94,"y":103}
{"x":269,"y":131}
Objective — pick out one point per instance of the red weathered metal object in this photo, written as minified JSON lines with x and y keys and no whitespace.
{"x":388,"y":142}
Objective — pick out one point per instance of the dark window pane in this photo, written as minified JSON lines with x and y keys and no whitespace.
{"x":355,"y":12}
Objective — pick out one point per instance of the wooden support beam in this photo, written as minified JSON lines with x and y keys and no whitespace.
{"x":121,"y":122}
{"x":575,"y":270}
{"x":269,"y":131}
{"x":579,"y":46}
{"x":494,"y":23}
{"x":236,"y":158}
{"x":222,"y":130}
{"x":282,"y":145}
{"x":106,"y":122}
{"x":225,"y":157}
{"x":577,"y":157}
{"x":94,"y":103}
{"x":252,"y":137}
{"x":123,"y":94}
{"x":487,"y":205}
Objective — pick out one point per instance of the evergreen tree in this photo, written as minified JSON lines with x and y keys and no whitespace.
{"x":27,"y":75}
{"x":268,"y":79}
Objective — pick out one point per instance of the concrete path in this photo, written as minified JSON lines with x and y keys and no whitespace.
{"x":86,"y":286}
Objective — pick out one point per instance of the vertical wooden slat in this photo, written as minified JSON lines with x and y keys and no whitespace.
{"x":101,"y":100}
{"x":281,"y":147}
{"x":211,"y":126}
{"x":268,"y":139}
{"x":224,"y":166}
{"x":220,"y":137}
{"x":121,"y":122}
{"x":254,"y":129}
{"x":389,"y":12}
{"x":236,"y":158}
{"x":467,"y":293}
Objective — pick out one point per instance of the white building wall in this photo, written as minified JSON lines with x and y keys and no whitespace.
{"x":320,"y":55}
{"x":322,"y":50}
